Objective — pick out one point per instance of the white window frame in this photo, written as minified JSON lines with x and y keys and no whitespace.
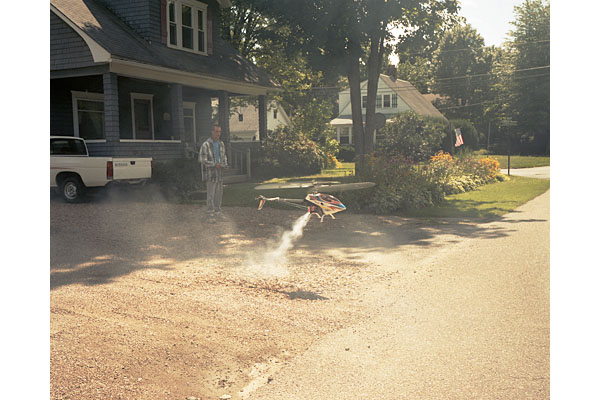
{"x":195,"y":6}
{"x":142,"y":96}
{"x":192,"y":106}
{"x":389,"y":100}
{"x":89,"y":96}
{"x":394,"y":100}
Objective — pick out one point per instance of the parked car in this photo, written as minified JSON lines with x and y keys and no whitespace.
{"x":73,"y":171}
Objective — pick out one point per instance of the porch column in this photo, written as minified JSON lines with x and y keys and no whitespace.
{"x":111,"y":107}
{"x":262,"y":117}
{"x":176,"y":111}
{"x":224,"y":120}
{"x":224,"y":115}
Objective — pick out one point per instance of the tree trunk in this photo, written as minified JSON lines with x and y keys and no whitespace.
{"x":356,"y":104}
{"x":373,"y":70}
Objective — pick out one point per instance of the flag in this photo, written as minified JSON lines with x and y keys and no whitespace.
{"x":459,"y":140}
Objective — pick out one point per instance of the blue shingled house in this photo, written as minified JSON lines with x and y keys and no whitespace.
{"x":137,"y":77}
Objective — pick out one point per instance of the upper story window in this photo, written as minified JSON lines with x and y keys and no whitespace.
{"x":187,"y":25}
{"x":275,"y":114}
{"x":378,"y":101}
{"x":364,"y":102}
{"x":394,"y":100}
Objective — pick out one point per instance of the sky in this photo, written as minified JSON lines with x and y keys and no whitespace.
{"x":491,"y":18}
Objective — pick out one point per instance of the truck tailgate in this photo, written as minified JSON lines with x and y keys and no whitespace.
{"x":132,"y":168}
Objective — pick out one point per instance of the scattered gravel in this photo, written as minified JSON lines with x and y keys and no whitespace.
{"x":149,"y":301}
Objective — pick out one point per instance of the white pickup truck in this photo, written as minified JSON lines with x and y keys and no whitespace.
{"x":73,"y":171}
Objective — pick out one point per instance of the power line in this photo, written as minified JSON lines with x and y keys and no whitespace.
{"x":444,"y":79}
{"x":489,"y":73}
{"x":471,"y":48}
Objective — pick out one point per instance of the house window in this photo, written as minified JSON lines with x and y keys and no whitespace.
{"x":189,"y":122}
{"x":142,"y":116}
{"x":187,"y":25}
{"x":241,"y":117}
{"x":364,"y":102}
{"x":386,"y":100}
{"x":378,"y":104}
{"x":344,"y":135}
{"x":88,"y":115}
{"x":394,"y":101}
{"x":274,"y":114}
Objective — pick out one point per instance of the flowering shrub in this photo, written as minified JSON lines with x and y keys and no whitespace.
{"x":402,"y":184}
{"x":461,"y":175}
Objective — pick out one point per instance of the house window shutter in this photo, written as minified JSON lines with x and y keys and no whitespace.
{"x":209,"y":31}
{"x":163,"y":21}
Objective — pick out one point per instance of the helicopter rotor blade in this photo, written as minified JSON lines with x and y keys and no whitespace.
{"x":343,"y":187}
{"x":292,"y":185}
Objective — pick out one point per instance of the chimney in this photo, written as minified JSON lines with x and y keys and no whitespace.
{"x":392,"y":72}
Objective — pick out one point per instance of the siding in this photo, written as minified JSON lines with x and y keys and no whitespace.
{"x":140,"y":15}
{"x":67,"y":48}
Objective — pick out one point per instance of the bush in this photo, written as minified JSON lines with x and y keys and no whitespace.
{"x":473,"y":140}
{"x":462,"y":174}
{"x":178,"y":178}
{"x":331,"y":148}
{"x":288,"y":153}
{"x":347,"y":152}
{"x":415,"y":137}
{"x":402,"y":185}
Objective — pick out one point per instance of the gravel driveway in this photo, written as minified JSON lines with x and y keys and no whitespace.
{"x":149,"y":301}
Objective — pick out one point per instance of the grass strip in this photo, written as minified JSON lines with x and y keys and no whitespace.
{"x":488,"y":201}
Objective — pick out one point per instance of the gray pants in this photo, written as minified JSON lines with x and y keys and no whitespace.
{"x":214,"y":195}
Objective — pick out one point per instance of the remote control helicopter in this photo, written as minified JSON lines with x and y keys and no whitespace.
{"x":316,"y":203}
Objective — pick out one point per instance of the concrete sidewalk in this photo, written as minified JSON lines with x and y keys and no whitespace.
{"x":535,"y":172}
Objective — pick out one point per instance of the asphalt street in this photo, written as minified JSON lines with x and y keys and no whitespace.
{"x":473,"y":325}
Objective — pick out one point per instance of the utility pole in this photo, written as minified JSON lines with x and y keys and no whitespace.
{"x":508,"y":123}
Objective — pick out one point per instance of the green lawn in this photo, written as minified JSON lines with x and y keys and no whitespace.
{"x":520,"y":161}
{"x":488,"y":201}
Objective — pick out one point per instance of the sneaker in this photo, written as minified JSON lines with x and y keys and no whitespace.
{"x":221,"y":216}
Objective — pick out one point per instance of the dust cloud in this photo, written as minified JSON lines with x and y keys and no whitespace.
{"x":271,"y":261}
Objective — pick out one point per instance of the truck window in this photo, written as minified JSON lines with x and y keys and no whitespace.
{"x":67,"y":147}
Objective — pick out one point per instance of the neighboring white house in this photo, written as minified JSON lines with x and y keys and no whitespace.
{"x":393,"y":96}
{"x":243,"y":123}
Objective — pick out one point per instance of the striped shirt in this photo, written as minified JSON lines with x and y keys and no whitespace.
{"x":207,"y":158}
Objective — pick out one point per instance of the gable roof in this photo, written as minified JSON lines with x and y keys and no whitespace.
{"x":113,"y":41}
{"x":412,"y":97}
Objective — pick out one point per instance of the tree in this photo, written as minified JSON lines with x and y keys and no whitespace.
{"x":529,"y":65}
{"x":342,"y":33}
{"x":462,"y":66}
{"x":251,"y":30}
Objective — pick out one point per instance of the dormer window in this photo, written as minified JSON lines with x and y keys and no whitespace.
{"x":187,"y":25}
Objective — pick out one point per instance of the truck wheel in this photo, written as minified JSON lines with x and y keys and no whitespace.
{"x":72,"y":189}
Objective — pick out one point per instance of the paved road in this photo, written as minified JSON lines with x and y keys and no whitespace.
{"x":474,"y":326}
{"x":536,"y":172}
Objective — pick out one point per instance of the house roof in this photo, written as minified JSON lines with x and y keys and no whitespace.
{"x":101,"y":28}
{"x":412,"y":97}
